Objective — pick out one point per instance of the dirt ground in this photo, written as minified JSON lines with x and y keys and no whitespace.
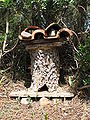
{"x":12,"y":109}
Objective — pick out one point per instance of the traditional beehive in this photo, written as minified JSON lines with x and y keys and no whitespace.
{"x":43,"y":46}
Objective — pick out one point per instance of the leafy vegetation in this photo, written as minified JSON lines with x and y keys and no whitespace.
{"x":22,"y":13}
{"x":83,"y":56}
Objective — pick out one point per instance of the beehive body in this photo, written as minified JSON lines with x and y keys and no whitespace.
{"x":45,"y":67}
{"x":43,"y":47}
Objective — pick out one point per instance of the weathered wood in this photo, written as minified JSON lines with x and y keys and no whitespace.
{"x":44,"y":46}
{"x":54,"y":94}
{"x":43,"y":41}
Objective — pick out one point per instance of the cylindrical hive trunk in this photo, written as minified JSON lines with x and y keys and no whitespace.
{"x":45,"y":67}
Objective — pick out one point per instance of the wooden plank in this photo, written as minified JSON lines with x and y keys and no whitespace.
{"x":44,"y":46}
{"x":43,"y":41}
{"x":56,"y":94}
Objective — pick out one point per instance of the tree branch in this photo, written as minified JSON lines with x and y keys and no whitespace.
{"x":61,"y":22}
{"x":5,"y":52}
{"x":86,"y":86}
{"x":2,"y":71}
{"x":7,"y":25}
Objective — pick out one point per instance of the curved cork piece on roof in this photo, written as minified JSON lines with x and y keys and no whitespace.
{"x":31,"y":28}
{"x":27,"y":33}
{"x":38,"y":34}
{"x":64,"y":32}
{"x":52,"y":29}
{"x":25,"y":36}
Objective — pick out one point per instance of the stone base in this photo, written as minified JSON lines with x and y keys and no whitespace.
{"x":33,"y":94}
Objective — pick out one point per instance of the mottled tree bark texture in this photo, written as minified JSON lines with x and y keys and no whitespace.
{"x":45,"y":67}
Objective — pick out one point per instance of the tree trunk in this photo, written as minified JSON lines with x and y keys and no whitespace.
{"x":45,"y":68}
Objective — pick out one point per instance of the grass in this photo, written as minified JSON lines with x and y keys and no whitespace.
{"x":55,"y":105}
{"x":45,"y":115}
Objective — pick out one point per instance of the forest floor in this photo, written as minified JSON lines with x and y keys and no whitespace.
{"x":12,"y":109}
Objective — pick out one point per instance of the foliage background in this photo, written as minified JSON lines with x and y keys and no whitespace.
{"x":75,"y":14}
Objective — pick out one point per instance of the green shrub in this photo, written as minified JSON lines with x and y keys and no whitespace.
{"x":83,"y":56}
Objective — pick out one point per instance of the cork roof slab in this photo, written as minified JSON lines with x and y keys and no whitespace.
{"x":52,"y":32}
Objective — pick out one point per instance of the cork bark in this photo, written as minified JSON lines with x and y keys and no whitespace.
{"x":45,"y":67}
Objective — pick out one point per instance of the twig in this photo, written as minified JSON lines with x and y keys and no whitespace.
{"x":86,"y":86}
{"x":7,"y":25}
{"x":82,"y":8}
{"x":73,"y":43}
{"x":75,"y":35}
{"x":2,"y":71}
{"x":5,"y":52}
{"x":5,"y":40}
{"x":61,"y":22}
{"x":86,"y":32}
